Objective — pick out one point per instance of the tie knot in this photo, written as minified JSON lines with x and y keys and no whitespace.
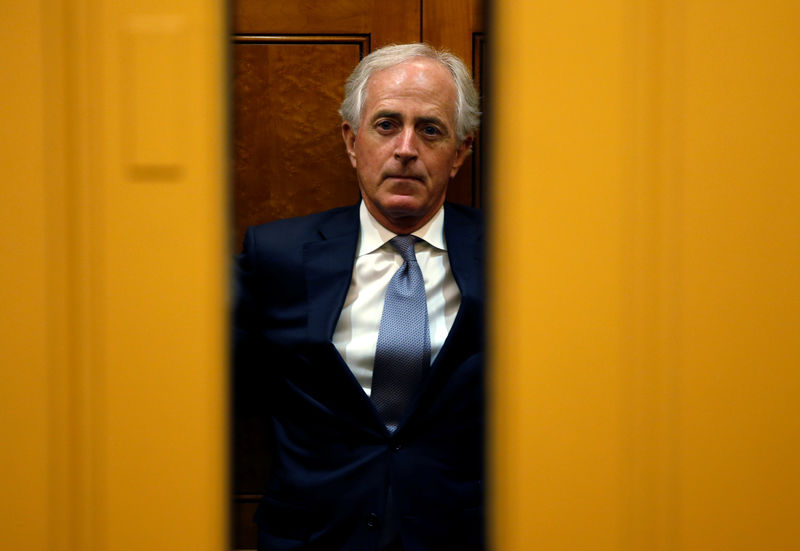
{"x":404,"y":244}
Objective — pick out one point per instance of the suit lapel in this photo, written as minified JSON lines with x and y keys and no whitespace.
{"x":328,"y":266}
{"x":465,"y":253}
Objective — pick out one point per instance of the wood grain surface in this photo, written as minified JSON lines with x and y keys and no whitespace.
{"x":289,"y":157}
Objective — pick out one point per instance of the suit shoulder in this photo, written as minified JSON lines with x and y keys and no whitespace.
{"x":299,"y":229}
{"x":460,"y":218}
{"x":464,"y":213}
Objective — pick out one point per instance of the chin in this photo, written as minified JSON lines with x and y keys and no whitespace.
{"x":403,"y":206}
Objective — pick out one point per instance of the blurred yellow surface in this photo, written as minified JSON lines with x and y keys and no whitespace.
{"x":646,"y":260}
{"x":114,"y":276}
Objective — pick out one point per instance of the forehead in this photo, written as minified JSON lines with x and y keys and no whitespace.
{"x":419,"y":84}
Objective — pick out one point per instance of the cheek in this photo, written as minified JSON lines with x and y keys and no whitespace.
{"x":366,"y":164}
{"x":445,"y":163}
{"x":370,"y":159}
{"x":368,"y":171}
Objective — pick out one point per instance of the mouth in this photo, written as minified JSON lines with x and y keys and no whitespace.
{"x":404,"y":178}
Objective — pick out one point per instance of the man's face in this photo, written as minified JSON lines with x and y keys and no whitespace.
{"x":406,"y":150}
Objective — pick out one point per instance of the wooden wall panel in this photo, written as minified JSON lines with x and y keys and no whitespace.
{"x":287,"y":92}
{"x":386,"y":22}
{"x":480,"y":72}
{"x":451,"y":24}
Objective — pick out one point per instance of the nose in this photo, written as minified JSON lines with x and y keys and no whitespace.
{"x":406,"y":149}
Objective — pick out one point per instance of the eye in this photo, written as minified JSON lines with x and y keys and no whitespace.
{"x":431,"y":130}
{"x":384,"y":125}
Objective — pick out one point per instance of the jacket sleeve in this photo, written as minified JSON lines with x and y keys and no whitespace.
{"x":249,"y":358}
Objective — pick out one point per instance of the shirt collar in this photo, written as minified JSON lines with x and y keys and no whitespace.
{"x":373,"y":235}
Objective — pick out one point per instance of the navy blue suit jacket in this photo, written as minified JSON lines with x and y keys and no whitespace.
{"x":332,"y":458}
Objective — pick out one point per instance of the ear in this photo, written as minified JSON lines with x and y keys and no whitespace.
{"x":464,"y":149}
{"x":349,"y":136}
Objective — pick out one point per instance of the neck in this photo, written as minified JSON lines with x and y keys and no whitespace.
{"x":401,"y":225}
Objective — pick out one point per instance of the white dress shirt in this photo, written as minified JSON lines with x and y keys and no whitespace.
{"x":356,"y":334}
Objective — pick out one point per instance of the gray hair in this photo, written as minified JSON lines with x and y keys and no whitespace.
{"x":467,"y":113}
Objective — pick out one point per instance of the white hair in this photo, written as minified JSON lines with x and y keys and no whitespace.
{"x":467,"y":116}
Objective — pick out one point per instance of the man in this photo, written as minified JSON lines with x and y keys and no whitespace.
{"x":360,"y":329}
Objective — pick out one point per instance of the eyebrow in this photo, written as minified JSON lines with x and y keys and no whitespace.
{"x":387,"y":114}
